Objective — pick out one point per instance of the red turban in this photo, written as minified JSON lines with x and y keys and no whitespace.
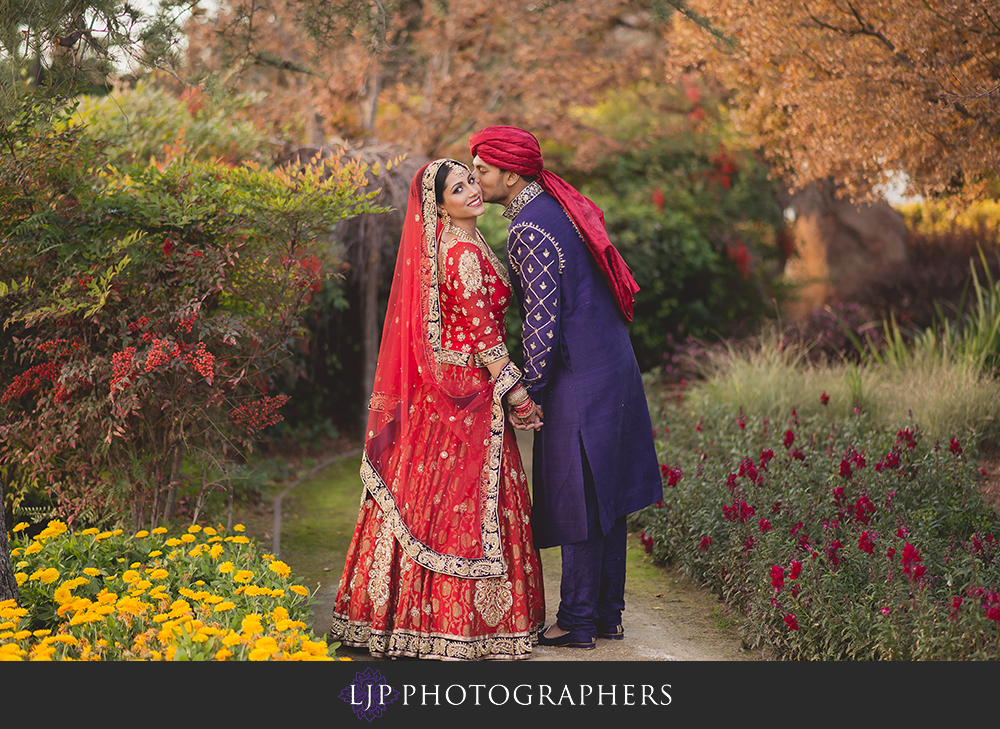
{"x":516,"y":150}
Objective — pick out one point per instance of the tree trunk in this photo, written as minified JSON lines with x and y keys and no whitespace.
{"x":175,"y":479}
{"x":8,"y":585}
{"x":369,"y":315}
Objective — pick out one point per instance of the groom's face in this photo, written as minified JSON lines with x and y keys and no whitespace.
{"x":491,"y":179}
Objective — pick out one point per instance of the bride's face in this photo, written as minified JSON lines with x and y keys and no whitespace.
{"x":463,"y":198}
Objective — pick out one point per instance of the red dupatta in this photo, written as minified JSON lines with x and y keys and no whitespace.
{"x":413,"y":387}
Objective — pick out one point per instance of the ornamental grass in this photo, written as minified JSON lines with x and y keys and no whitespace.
{"x":835,"y":537}
{"x":107,"y":596}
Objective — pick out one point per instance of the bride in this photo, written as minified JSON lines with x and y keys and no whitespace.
{"x":442,"y":563}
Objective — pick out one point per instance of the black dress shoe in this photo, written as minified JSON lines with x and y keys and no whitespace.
{"x":615,"y":633}
{"x":572,"y":639}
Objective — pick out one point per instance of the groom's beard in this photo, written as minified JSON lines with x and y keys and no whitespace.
{"x":493,"y":195}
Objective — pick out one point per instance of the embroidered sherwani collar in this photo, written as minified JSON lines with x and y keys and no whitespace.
{"x":524,"y":197}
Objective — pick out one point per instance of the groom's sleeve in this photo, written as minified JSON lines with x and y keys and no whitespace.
{"x":535,"y":260}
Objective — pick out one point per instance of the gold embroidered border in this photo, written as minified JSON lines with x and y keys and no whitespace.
{"x":529,"y":193}
{"x":413,"y":644}
{"x":491,"y":355}
{"x":491,"y":564}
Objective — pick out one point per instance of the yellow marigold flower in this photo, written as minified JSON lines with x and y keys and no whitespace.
{"x":117,"y":532}
{"x":280,"y":568}
{"x":196,"y":552}
{"x":216,"y":551}
{"x":173,"y":542}
{"x":210,"y":531}
{"x":88,"y":532}
{"x":200,"y":582}
{"x":45,"y":576}
{"x":32,"y":548}
{"x":226,"y":567}
{"x":186,"y":591}
{"x":241,"y":540}
{"x":232,"y":638}
{"x":92,"y":571}
{"x":267,"y":557}
{"x":239,"y":528}
{"x":160,"y":530}
{"x":141,"y":534}
{"x":222,"y":654}
{"x":155,"y":553}
{"x":132,"y":606}
{"x":251,"y":624}
{"x":142,"y":585}
{"x":279,"y":613}
{"x":213,"y":599}
{"x":21,"y":578}
{"x":136,"y":565}
{"x":242,"y":576}
{"x":169,"y":653}
{"x":22,"y":634}
{"x":69,"y":640}
{"x":278,"y":593}
{"x":120,"y":560}
{"x":103,"y":535}
{"x":53,"y":529}
{"x":282,"y":625}
{"x":194,"y":529}
{"x":187,"y":538}
{"x":11,"y":652}
{"x":130,"y":576}
{"x":253,"y":590}
{"x":158,"y":593}
{"x":20,"y":526}
{"x":159,"y":574}
{"x":179,"y":607}
{"x":215,"y":539}
{"x":21,"y":565}
{"x":299,"y":590}
{"x":10,"y":609}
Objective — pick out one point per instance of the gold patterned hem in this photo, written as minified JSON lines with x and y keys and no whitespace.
{"x":434,"y":646}
{"x":491,"y":564}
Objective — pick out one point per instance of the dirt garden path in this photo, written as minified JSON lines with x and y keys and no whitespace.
{"x":667,"y":618}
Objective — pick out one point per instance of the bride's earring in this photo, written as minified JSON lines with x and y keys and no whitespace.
{"x":445,"y":219}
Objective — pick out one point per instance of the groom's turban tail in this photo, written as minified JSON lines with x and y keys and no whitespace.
{"x":517,"y":150}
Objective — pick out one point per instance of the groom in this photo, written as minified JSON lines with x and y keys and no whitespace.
{"x":593,"y":459}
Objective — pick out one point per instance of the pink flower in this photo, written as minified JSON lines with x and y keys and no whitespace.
{"x":885,"y":611}
{"x":794,"y":569}
{"x":824,"y":398}
{"x":955,"y":447}
{"x":791,"y":622}
{"x":789,"y":438}
{"x":706,"y":542}
{"x":764,"y":524}
{"x":647,"y":542}
{"x":911,"y":562}
{"x":866,"y":543}
{"x":777,"y":576}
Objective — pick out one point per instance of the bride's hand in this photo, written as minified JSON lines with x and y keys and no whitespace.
{"x":533,"y":421}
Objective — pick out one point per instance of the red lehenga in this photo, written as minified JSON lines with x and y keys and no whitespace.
{"x":442,"y":563}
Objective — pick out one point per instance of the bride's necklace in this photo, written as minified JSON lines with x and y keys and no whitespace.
{"x":460,"y":234}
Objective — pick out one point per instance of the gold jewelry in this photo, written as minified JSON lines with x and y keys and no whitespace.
{"x":518,"y":395}
{"x":524,"y":409}
{"x":445,"y":219}
{"x":459,"y":233}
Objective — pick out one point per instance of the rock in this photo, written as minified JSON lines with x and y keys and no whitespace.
{"x":842,"y":248}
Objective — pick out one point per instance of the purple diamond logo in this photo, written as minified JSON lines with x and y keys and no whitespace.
{"x":369,"y":694}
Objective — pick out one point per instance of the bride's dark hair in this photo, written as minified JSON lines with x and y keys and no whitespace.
{"x":446,"y":168}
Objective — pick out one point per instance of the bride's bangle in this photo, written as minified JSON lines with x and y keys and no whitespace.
{"x":517,"y":396}
{"x":523,"y":409}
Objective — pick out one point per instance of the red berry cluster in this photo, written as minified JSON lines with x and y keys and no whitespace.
{"x":259,"y":414}
{"x":31,"y":380}
{"x":140,"y":323}
{"x":121,"y":366}
{"x":158,"y":354}
{"x":186,"y":322}
{"x":202,"y":361}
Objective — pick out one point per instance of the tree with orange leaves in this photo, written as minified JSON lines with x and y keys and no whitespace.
{"x":860,"y":90}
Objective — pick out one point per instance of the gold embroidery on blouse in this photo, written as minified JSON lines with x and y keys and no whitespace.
{"x":470,"y":273}
{"x":378,"y":582}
